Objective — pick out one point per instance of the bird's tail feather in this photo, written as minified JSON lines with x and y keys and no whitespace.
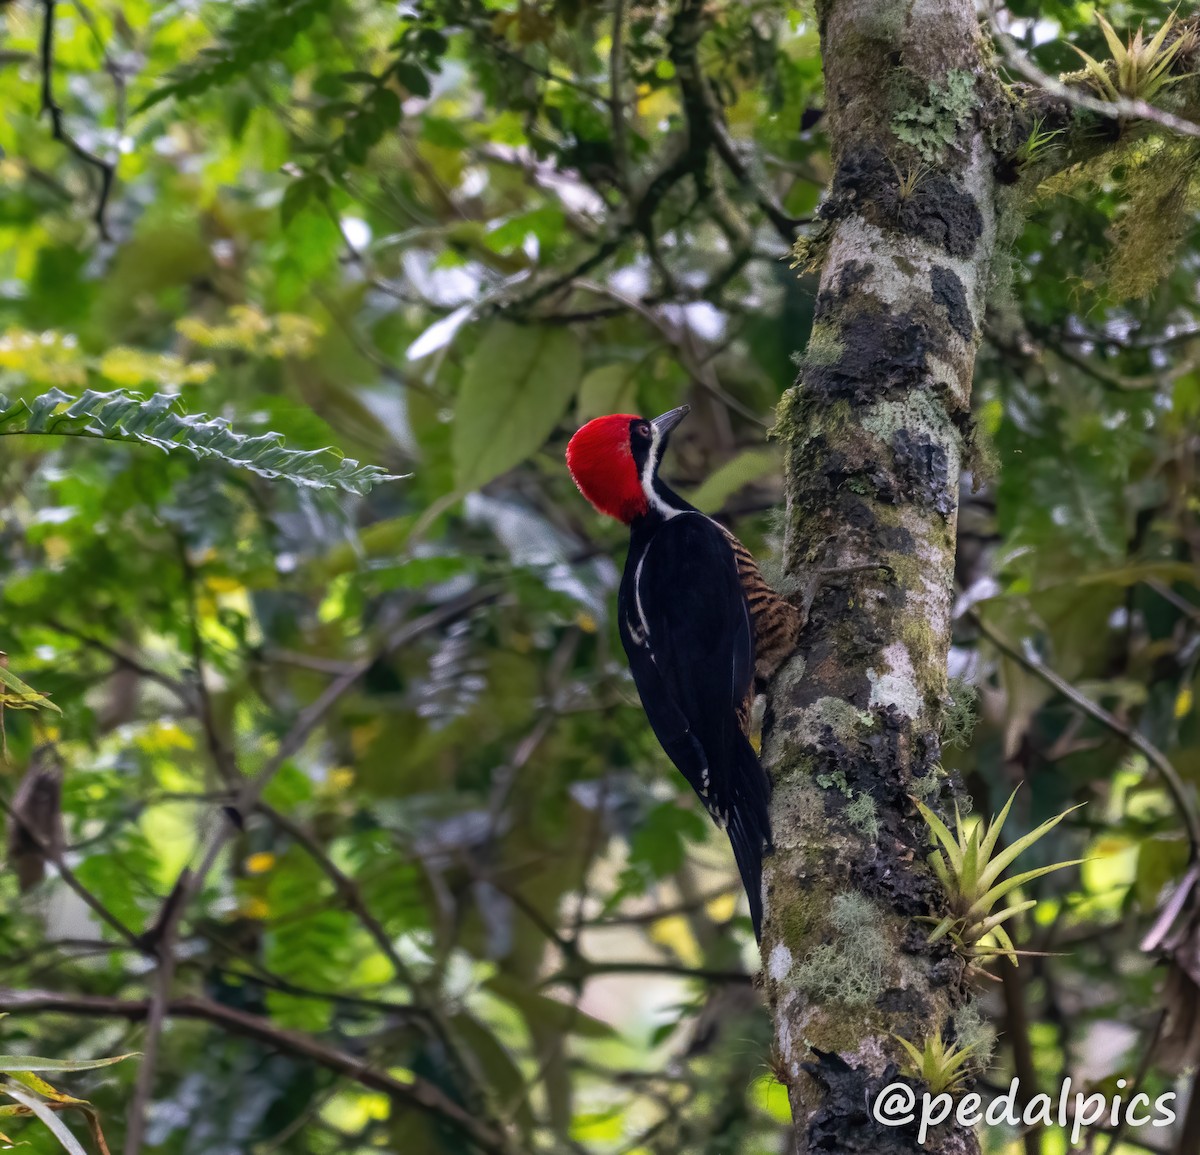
{"x":749,"y":826}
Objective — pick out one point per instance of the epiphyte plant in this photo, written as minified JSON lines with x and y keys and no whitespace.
{"x":942,"y":1066}
{"x":969,"y":870}
{"x":1139,"y":66}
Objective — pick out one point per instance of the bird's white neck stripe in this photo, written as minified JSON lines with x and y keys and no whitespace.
{"x":655,"y":501}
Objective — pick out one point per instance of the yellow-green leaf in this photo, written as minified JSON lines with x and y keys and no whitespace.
{"x":18,"y":694}
{"x":608,"y":389}
{"x":740,"y":471}
{"x":11,"y":1063}
{"x":519,"y":382}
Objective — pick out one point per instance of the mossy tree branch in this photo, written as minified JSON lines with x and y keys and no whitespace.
{"x":1079,"y":125}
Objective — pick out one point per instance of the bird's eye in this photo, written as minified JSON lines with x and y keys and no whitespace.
{"x":642,"y":428}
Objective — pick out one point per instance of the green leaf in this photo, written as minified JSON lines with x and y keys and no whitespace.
{"x":942,"y":928}
{"x":1115,"y":46}
{"x":1002,"y":860}
{"x":412,"y":78}
{"x":987,"y":901}
{"x":989,"y":924}
{"x":660,"y":841}
{"x":740,"y":471}
{"x":297,"y":195}
{"x":256,"y":32}
{"x":12,"y":1063}
{"x":942,"y":833}
{"x":608,"y":389}
{"x":516,"y":389}
{"x":993,"y":832}
{"x":498,"y":1064}
{"x":417,"y":572}
{"x":918,"y":1057}
{"x":1005,"y":943}
{"x":968,"y":870}
{"x":940,"y":868}
{"x":387,"y":105}
{"x":158,"y":420}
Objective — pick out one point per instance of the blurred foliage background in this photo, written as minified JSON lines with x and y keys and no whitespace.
{"x":437,"y":236}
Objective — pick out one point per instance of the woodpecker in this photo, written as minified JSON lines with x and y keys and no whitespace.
{"x":699,"y":625}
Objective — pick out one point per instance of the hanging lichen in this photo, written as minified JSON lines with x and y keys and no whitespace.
{"x":1161,"y":190}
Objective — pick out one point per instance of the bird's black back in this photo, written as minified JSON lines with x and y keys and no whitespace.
{"x":686,"y":628}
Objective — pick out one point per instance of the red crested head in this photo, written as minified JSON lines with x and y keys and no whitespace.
{"x":600,"y":458}
{"x":614,"y":461}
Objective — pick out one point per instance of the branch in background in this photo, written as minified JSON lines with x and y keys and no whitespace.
{"x":112,"y":66}
{"x":308,"y":720}
{"x":160,"y":938}
{"x":415,"y":1092}
{"x":689,"y":155}
{"x":124,"y":660}
{"x":106,"y":169}
{"x":1118,"y":1134}
{"x":349,"y":893}
{"x":54,"y":854}
{"x":783,"y":223}
{"x":701,"y":371}
{"x":165,"y":934}
{"x":616,"y":57}
{"x":1016,"y":1028}
{"x":1173,"y":335}
{"x":581,"y":969}
{"x":1178,"y":789}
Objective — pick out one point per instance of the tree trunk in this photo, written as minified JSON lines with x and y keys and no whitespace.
{"x":875,"y":430}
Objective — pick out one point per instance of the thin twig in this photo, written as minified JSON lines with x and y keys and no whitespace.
{"x":700,"y":370}
{"x":1184,"y":802}
{"x":649,"y":917}
{"x":1016,"y":1021}
{"x":106,"y":169}
{"x":248,"y":798}
{"x":413,"y":1092}
{"x":124,"y":660}
{"x":156,"y":1016}
{"x":307,"y":720}
{"x":585,"y":969}
{"x":221,"y":760}
{"x":620,"y":144}
{"x":53,"y":854}
{"x":1143,"y":1068}
{"x":786,"y":225}
{"x":350,"y":894}
{"x":112,"y":66}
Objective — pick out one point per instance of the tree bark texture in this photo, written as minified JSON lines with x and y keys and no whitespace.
{"x":875,"y":430}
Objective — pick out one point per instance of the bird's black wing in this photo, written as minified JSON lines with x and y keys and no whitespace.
{"x":686,"y":628}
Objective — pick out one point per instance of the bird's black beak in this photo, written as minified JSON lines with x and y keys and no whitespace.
{"x":664,"y":424}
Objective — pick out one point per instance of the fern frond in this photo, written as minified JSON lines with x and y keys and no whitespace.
{"x":158,"y":420}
